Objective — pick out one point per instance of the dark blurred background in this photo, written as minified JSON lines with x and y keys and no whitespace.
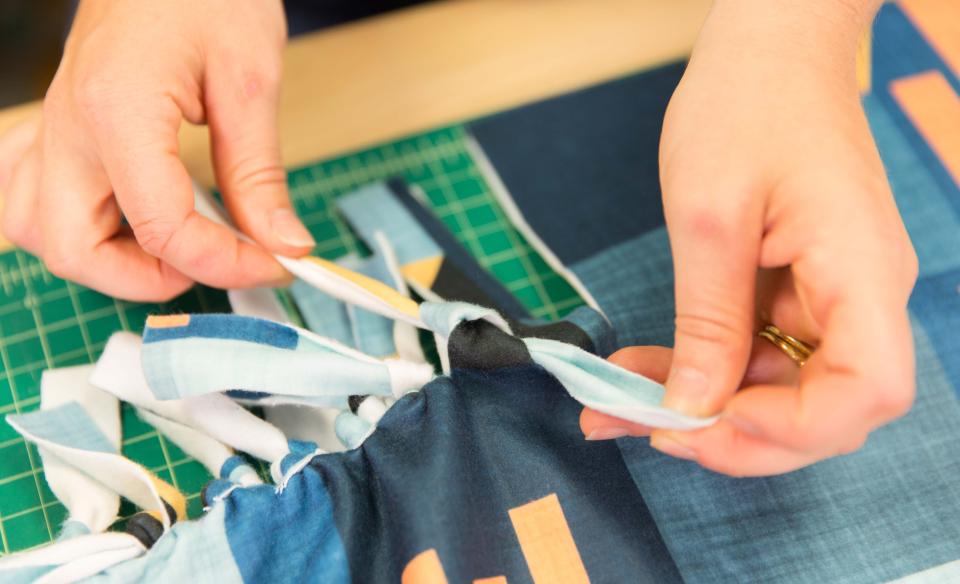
{"x":32,"y":34}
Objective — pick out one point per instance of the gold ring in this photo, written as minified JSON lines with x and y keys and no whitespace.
{"x":791,"y":347}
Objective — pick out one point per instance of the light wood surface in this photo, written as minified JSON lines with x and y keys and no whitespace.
{"x":411,"y":70}
{"x":407,"y":71}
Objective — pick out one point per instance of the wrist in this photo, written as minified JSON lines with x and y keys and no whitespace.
{"x":822,"y":34}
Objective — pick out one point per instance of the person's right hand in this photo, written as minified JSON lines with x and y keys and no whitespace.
{"x":106,"y":147}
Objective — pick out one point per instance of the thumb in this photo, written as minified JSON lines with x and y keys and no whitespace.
{"x":242,"y":114}
{"x":715,"y":257}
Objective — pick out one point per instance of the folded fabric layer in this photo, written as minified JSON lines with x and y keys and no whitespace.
{"x":69,"y":560}
{"x":454,"y":275}
{"x":192,"y":355}
{"x":119,"y":371}
{"x":258,"y":302}
{"x":69,"y":433}
{"x":594,"y":382}
{"x":322,"y":313}
{"x":91,"y":506}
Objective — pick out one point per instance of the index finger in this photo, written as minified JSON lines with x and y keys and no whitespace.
{"x":140,"y":155}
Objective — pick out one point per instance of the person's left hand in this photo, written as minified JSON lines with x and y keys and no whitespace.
{"x":778,"y":211}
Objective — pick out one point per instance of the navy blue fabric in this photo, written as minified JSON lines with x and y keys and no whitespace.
{"x":227,"y":326}
{"x":456,"y":254}
{"x":585,"y":163}
{"x":446,"y":465}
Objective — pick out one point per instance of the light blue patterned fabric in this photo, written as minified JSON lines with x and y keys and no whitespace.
{"x":374,"y":208}
{"x":191,"y":551}
{"x":322,"y":313}
{"x":71,"y":528}
{"x":351,"y":429}
{"x":443,"y":317}
{"x":68,"y":425}
{"x":263,"y":357}
{"x":372,"y":333}
{"x":591,"y":380}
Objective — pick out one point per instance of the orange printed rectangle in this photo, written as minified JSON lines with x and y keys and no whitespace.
{"x":168,"y":320}
{"x":939,"y":22}
{"x":547,"y":543}
{"x":933,"y":107}
{"x":424,"y":568}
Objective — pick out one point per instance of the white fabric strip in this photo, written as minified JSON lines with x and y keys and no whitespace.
{"x":406,"y":337}
{"x":209,"y":452}
{"x":87,"y":501}
{"x":306,"y":423}
{"x":329,"y":281}
{"x":115,"y":472}
{"x":258,"y":302}
{"x":119,"y":372}
{"x":66,"y":551}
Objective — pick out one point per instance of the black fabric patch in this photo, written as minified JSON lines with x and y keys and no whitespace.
{"x":146,"y":528}
{"x":562,"y":330}
{"x":478,"y":344}
{"x":454,"y":285}
{"x":354,"y":401}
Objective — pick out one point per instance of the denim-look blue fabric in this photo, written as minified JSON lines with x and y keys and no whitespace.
{"x":633,"y":282}
{"x":884,"y":512}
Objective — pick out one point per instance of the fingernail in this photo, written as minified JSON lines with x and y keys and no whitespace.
{"x":672,"y":447}
{"x":686,"y":390}
{"x":288,"y":228}
{"x":606,"y":433}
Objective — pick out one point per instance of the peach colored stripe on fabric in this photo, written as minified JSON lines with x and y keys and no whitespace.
{"x":424,"y":568}
{"x":934,"y":109}
{"x":546,"y":542}
{"x":939,"y":21}
{"x":491,"y":580}
{"x":168,"y":321}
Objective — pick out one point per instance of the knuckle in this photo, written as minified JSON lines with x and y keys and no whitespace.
{"x":715,"y":327}
{"x":59,"y":261}
{"x":92,"y":96}
{"x":15,"y":231}
{"x":853,"y":445}
{"x":707,"y":225}
{"x":154,"y":235}
{"x":892,"y":399}
{"x":258,"y":171}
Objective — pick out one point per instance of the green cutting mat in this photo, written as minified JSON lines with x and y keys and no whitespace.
{"x":46,"y":322}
